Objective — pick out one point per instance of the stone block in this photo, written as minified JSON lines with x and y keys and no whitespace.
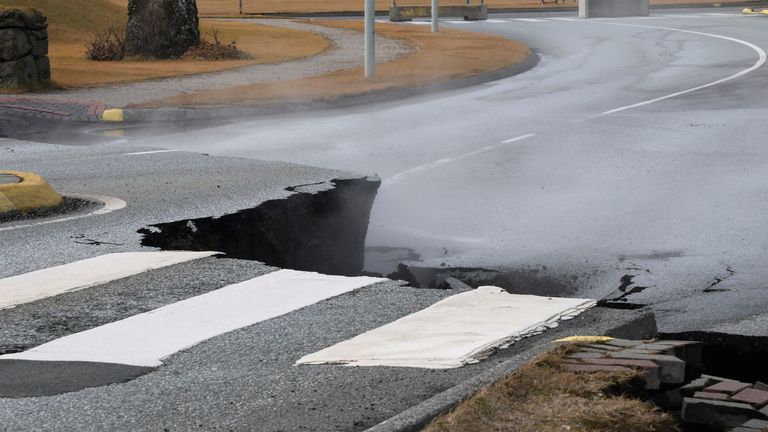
{"x":672,"y":368}
{"x":39,"y":47}
{"x":39,"y":34}
{"x":751,"y":396}
{"x":719,"y":414}
{"x":761,"y":386}
{"x":603,"y":347}
{"x":730,"y":387}
{"x":690,"y":351}
{"x":20,"y":73}
{"x":43,"y":66}
{"x":14,"y":44}
{"x":711,"y":395}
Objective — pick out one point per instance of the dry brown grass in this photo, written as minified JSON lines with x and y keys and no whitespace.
{"x":542,"y":397}
{"x":72,"y":23}
{"x":438,"y":58}
{"x":230,"y":7}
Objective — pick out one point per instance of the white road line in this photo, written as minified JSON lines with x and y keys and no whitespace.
{"x":110,"y":204}
{"x":496,"y":21}
{"x":566,"y":19}
{"x":37,"y":285}
{"x":396,"y":178}
{"x":146,"y":339}
{"x":149,"y":152}
{"x":760,"y":62}
{"x":462,"y":329}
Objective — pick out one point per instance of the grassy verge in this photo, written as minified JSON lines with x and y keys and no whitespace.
{"x":543,"y":397}
{"x":73,"y":22}
{"x":231,"y":7}
{"x":437,"y":58}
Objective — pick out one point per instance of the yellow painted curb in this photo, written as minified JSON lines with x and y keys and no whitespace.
{"x":31,"y":193}
{"x":113,"y":115}
{"x":585,"y":339}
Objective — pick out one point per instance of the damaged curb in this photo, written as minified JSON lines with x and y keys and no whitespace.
{"x":24,"y":192}
{"x":641,"y":325}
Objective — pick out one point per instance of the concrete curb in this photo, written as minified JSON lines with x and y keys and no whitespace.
{"x":640,"y":325}
{"x":30,"y":193}
{"x":202,"y":113}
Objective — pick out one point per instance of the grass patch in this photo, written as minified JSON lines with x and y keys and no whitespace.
{"x":542,"y":397}
{"x":73,"y":24}
{"x":437,"y":58}
{"x":231,"y":7}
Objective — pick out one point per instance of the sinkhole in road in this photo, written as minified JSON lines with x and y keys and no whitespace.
{"x":319,"y":227}
{"x":739,"y":357}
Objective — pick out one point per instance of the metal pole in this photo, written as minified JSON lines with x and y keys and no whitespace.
{"x":435,"y":14}
{"x":370,"y":39}
{"x":241,"y":7}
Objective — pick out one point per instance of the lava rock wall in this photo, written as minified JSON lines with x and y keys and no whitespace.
{"x":24,"y":59}
{"x":161,"y":29}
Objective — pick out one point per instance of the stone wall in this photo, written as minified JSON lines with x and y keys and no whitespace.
{"x":161,"y":29}
{"x":23,"y":49}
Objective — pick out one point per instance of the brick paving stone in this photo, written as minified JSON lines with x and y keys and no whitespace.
{"x":595,"y":368}
{"x":591,"y":350}
{"x":721,"y":414}
{"x":696,"y":385}
{"x":584,"y":355}
{"x":751,"y":396}
{"x":603,"y":347}
{"x":743,"y":429}
{"x":711,"y":395}
{"x":690,"y":351}
{"x":756,"y":424}
{"x":730,"y":387}
{"x":672,"y":368}
{"x":652,"y":371}
{"x":761,"y":386}
{"x":623,"y":343}
{"x":764,"y":412}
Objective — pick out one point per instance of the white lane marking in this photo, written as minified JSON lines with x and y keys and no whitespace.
{"x":37,"y":285}
{"x":110,"y":204}
{"x":396,"y":178}
{"x":529,"y":19}
{"x":148,"y":338}
{"x":760,"y":62}
{"x":461,"y":329}
{"x":496,"y":21}
{"x":149,"y":152}
{"x":566,"y":19}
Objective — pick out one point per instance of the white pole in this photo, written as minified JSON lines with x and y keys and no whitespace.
{"x":435,"y":14}
{"x":370,"y":38}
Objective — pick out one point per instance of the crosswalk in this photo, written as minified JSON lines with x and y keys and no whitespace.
{"x":543,"y":19}
{"x":486,"y":318}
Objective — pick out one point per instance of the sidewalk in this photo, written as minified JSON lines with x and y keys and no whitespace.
{"x":88,"y":104}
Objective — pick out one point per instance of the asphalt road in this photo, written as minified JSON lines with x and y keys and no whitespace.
{"x":530,"y":173}
{"x":672,"y":192}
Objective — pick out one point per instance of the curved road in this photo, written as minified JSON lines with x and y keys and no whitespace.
{"x":558,"y":170}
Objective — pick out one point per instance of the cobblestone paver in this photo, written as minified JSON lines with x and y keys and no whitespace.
{"x":346,"y":52}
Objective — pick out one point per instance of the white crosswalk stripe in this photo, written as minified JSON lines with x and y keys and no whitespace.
{"x":461,"y":329}
{"x":148,"y":338}
{"x":87,"y":273}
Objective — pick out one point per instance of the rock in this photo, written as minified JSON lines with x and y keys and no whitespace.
{"x":39,"y":47}
{"x":161,"y":28}
{"x":23,"y":18}
{"x":43,"y":66}
{"x":14,"y":44}
{"x":20,"y":73}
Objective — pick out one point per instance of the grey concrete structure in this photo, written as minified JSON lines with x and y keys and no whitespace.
{"x":470,"y":12}
{"x":613,"y":8}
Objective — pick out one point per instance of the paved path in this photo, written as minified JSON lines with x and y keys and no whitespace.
{"x":345,"y":53}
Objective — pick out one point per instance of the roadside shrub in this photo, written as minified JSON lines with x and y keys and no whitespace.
{"x":215,"y":49}
{"x":108,"y":45}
